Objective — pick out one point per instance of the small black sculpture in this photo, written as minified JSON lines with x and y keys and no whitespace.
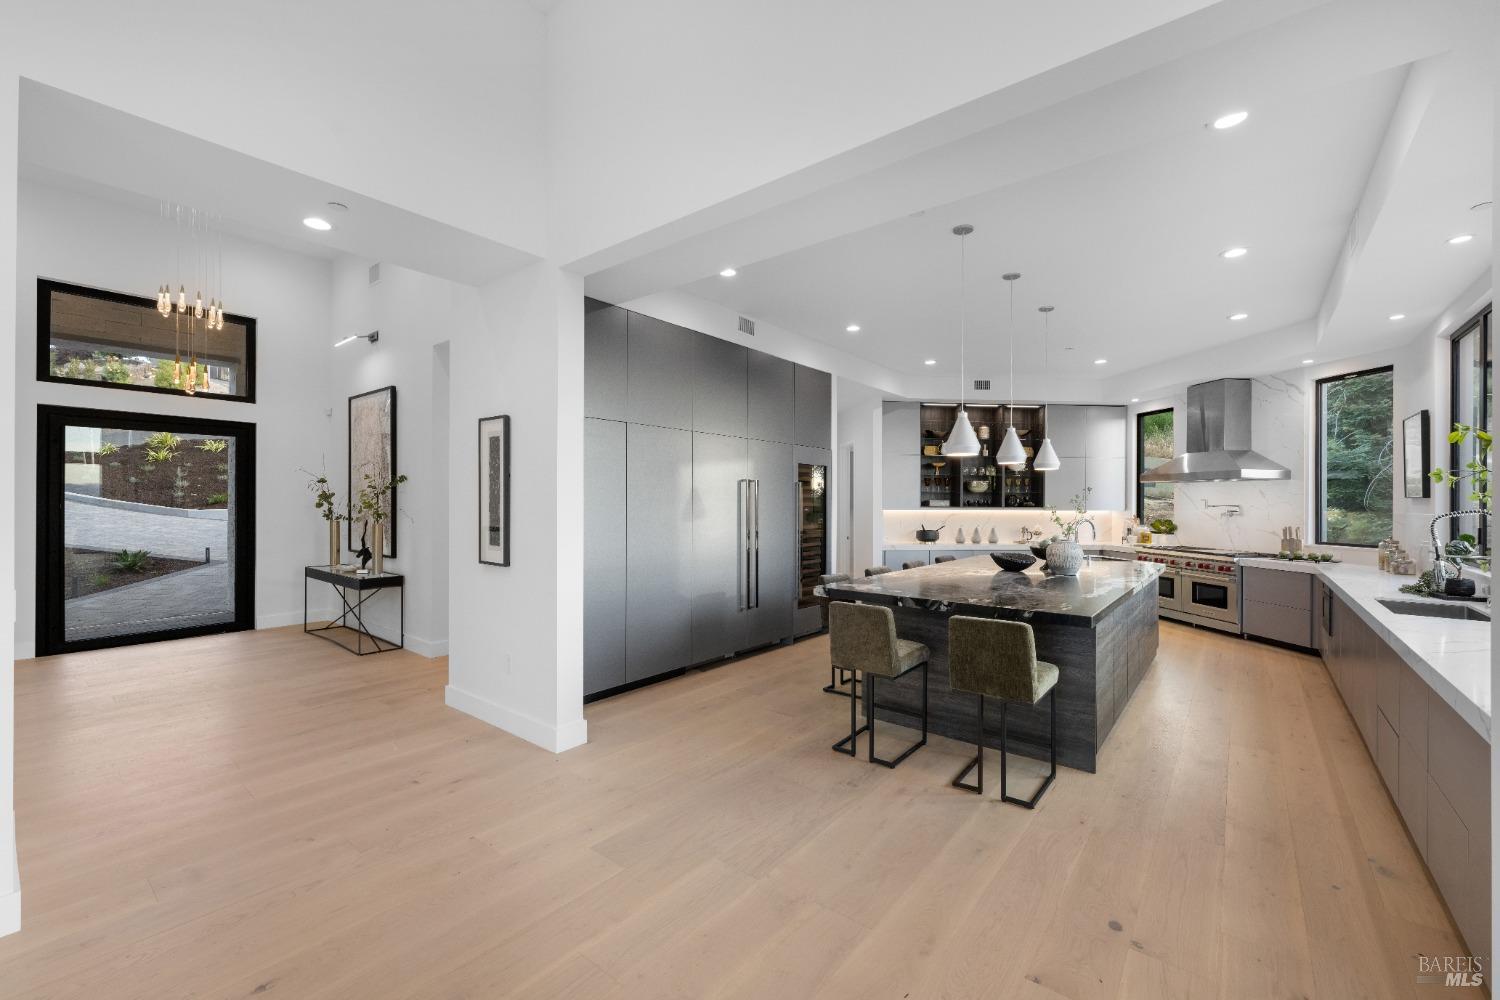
{"x":364,"y":553}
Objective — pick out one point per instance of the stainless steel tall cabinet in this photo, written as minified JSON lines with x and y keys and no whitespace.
{"x":691,"y":548}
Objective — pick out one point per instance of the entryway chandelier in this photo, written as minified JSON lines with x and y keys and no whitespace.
{"x":190,"y":227}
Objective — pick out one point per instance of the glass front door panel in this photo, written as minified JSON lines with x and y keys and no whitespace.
{"x":812,"y":522}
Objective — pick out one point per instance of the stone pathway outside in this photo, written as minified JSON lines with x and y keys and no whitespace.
{"x":202,"y":595}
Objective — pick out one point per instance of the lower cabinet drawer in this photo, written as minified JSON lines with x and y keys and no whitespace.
{"x":1277,"y":622}
{"x":1387,"y":753}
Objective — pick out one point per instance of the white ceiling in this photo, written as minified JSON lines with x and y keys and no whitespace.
{"x":82,"y":145}
{"x":1114,"y":206}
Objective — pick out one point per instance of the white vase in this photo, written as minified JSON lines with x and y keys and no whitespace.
{"x":960,"y":536}
{"x":994,"y":537}
{"x":1064,"y":558}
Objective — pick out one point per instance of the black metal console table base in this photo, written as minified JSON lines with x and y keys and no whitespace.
{"x":365,"y":587}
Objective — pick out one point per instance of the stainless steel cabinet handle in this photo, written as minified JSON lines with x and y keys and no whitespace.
{"x":742,"y":585}
{"x":755,"y":524}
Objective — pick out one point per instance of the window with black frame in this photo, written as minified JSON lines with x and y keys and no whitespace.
{"x":90,"y":336}
{"x":1356,"y":458}
{"x":1473,"y":406}
{"x":1153,"y":446}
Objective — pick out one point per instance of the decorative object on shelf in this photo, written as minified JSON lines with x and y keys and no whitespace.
{"x":494,"y":490}
{"x":1046,"y":456}
{"x":1010,"y":453}
{"x":994,"y":536}
{"x":926,"y":534}
{"x":962,"y":441}
{"x":206,"y":267}
{"x":960,"y":538}
{"x":325,"y":502}
{"x":364,"y":554}
{"x":1416,"y":455}
{"x":978,"y":486}
{"x":1039,"y":549}
{"x":1013,"y":562}
{"x":375,"y":504}
{"x":372,"y":449}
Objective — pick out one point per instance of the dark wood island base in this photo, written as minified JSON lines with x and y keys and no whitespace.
{"x":1099,"y":628}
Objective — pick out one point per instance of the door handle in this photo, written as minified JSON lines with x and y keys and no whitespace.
{"x":755,"y":527}
{"x":742,"y":585}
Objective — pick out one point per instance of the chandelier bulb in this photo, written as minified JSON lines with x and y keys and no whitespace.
{"x":198,"y":306}
{"x":205,"y":378}
{"x":182,"y":298}
{"x":177,"y":374}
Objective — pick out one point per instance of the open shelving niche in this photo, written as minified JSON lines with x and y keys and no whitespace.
{"x":946,"y":482}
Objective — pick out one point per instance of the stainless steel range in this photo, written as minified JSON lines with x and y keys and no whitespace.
{"x":1198,"y":585}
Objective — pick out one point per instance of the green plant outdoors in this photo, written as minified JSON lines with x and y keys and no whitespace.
{"x":371,"y":501}
{"x":1079,"y":503}
{"x":96,"y":367}
{"x":1476,"y":471}
{"x":213,"y":446}
{"x":161,"y":447}
{"x":132,"y":561}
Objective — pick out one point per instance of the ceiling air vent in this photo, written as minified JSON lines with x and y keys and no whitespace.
{"x":747,"y":326}
{"x":981,"y":385}
{"x":375,"y":273}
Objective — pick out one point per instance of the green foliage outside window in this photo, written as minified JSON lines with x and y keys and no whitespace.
{"x":1358,"y":455}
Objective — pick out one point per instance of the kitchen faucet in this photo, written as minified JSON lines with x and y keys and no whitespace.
{"x":1093,"y":531}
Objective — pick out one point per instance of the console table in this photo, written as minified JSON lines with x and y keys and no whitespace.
{"x":364,"y":585}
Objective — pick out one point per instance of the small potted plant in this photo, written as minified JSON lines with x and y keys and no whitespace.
{"x":325,"y":502}
{"x":372,"y":504}
{"x":1064,"y":554}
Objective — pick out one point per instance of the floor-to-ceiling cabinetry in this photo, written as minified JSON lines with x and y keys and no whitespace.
{"x":1090,"y":445}
{"x":695,"y":547}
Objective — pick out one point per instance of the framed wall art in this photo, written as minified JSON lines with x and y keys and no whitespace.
{"x":1416,"y":455}
{"x":372,"y":449}
{"x":494,"y":490}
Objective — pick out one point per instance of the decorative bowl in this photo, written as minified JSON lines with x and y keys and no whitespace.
{"x":1040,"y":551}
{"x":928,"y":534}
{"x":978,"y":486}
{"x":1013,"y":562}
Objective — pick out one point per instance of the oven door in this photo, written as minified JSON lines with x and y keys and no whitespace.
{"x":1209,"y":595}
{"x":1169,"y":590}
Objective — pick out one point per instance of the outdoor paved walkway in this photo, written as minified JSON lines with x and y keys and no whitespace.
{"x":113,"y":529}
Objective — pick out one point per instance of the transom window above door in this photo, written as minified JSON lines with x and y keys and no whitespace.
{"x":87,"y":336}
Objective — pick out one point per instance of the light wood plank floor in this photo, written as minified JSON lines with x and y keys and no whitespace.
{"x":263,"y":815}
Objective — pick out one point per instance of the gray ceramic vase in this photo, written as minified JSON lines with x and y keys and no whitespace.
{"x":1064,"y":558}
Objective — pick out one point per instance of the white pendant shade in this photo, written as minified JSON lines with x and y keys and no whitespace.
{"x":962,"y":441}
{"x":1046,"y":458}
{"x":1011,"y":453}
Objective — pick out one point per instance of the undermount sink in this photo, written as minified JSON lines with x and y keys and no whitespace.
{"x":1423,"y":609}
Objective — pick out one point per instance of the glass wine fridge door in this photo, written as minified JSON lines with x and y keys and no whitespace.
{"x":812,"y":542}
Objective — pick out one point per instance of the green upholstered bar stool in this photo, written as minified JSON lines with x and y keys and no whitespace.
{"x":938,"y":559}
{"x":837,"y":678}
{"x":997,"y":659}
{"x":912,"y":565}
{"x":862,"y":640}
{"x":877,"y":570}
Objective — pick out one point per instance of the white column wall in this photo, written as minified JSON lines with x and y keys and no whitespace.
{"x":10,"y":875}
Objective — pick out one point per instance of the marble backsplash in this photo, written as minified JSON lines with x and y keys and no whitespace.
{"x":901,"y":525}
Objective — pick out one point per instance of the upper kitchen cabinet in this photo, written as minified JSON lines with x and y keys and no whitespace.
{"x":720,"y":386}
{"x":604,"y":349}
{"x":814,"y":408}
{"x":1106,"y":431}
{"x":659,"y":373}
{"x":901,"y":460}
{"x":773,"y":395}
{"x":1090,"y":443}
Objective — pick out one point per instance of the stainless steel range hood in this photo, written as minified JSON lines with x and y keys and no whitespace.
{"x":1218,"y":439}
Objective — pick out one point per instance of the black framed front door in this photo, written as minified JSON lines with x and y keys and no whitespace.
{"x":145,"y":528}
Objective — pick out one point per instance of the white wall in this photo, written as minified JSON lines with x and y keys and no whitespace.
{"x":515,"y":635}
{"x":860,"y":428}
{"x":10,"y":874}
{"x":438,"y":107}
{"x":67,"y":236}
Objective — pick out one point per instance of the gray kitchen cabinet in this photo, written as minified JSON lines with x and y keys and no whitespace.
{"x":1388,"y":668}
{"x":772,"y":398}
{"x":659,"y":372}
{"x":1411,"y":793}
{"x":604,"y":558}
{"x":604,"y":361}
{"x":1067,"y":426}
{"x":721,"y":537}
{"x":1277,"y":605}
{"x":775,"y":577}
{"x":814,"y":406}
{"x":720,"y":386}
{"x":1387,"y":754}
{"x":659,"y":550}
{"x":1090,"y":446}
{"x":901,"y":456}
{"x":1106,"y":429}
{"x":894,"y":558}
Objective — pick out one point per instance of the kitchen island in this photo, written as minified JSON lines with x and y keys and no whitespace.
{"x":1099,"y":628}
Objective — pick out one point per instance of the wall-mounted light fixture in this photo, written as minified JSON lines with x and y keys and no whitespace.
{"x":372,"y":336}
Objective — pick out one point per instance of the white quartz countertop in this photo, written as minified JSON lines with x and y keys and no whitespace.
{"x":1453,"y":657}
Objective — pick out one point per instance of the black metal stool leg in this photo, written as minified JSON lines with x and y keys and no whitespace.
{"x":1052,"y":753}
{"x":837,"y":678}
{"x":852,"y":739}
{"x":978,"y":761}
{"x":870,"y":685}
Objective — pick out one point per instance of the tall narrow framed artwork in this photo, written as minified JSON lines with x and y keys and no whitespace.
{"x":494,"y":491}
{"x":372,"y":450}
{"x":1416,"y":455}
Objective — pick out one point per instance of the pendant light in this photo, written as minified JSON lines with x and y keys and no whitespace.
{"x":962,"y":441}
{"x":1046,"y":456}
{"x":1011,"y":454}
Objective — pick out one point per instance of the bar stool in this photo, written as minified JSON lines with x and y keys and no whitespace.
{"x":912,"y":565}
{"x":938,"y":559}
{"x":877,"y":570}
{"x":862,"y":639}
{"x":997,"y":659}
{"x":837,"y":678}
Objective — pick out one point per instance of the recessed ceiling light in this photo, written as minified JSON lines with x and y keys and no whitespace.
{"x":1230,"y":120}
{"x":930,"y":361}
{"x":1307,"y":361}
{"x":1396,"y":316}
{"x":728,"y":272}
{"x":321,"y":225}
{"x":852,"y":328}
{"x":1135,"y":399}
{"x":1234,"y":253}
{"x":1239,"y":316}
{"x":1460,"y":238}
{"x":1101,"y":361}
